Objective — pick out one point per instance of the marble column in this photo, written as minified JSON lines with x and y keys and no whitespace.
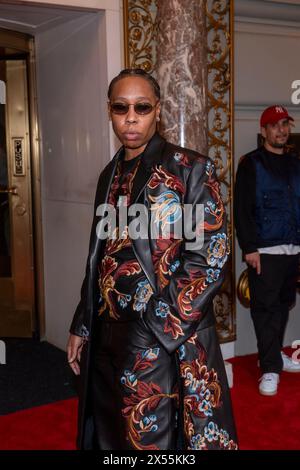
{"x":181,"y":70}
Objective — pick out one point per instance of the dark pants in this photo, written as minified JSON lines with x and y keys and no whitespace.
{"x":272,"y":293}
{"x":134,"y":389}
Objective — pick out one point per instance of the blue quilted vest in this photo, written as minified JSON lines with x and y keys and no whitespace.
{"x":277,"y":211}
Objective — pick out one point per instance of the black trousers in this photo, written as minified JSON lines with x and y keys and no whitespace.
{"x":272,"y":293}
{"x":134,"y":385}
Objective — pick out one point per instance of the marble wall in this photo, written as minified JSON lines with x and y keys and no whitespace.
{"x":181,"y":69}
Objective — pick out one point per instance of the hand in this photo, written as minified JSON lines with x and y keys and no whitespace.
{"x":253,"y":259}
{"x":74,"y":348}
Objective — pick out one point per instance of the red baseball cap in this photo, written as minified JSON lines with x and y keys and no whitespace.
{"x":273,"y":114}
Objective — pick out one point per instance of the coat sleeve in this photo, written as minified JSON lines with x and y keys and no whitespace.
{"x":244,"y":206}
{"x":77,"y":326}
{"x":181,"y":307}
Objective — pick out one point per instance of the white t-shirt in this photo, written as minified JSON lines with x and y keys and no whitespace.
{"x":280,"y":250}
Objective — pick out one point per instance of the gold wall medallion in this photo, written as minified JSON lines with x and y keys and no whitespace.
{"x":140,"y":51}
{"x":243,"y":291}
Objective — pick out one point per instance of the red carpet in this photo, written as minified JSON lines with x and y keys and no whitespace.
{"x":47,"y":427}
{"x":263,"y":423}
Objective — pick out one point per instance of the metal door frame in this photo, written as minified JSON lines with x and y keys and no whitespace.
{"x":25,"y":43}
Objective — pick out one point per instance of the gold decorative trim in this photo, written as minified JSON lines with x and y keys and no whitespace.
{"x":37,"y":192}
{"x":220,"y":139}
{"x":140,"y":33}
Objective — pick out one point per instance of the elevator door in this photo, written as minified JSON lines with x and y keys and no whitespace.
{"x":16,"y":247}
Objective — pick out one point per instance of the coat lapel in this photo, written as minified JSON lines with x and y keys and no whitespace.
{"x":151,"y":157}
{"x":102,"y":194}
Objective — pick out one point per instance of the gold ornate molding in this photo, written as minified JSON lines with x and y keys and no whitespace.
{"x":140,"y":51}
{"x":140,"y":33}
{"x":220,"y":138}
{"x":220,"y":88}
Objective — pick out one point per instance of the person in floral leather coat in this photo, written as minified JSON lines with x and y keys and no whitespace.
{"x":143,"y":337}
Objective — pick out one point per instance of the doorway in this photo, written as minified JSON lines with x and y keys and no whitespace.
{"x":70,"y":143}
{"x":17,"y":291}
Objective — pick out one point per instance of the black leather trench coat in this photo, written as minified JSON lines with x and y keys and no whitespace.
{"x":179,"y":312}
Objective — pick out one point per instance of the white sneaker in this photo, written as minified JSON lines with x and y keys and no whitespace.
{"x":269,"y":383}
{"x":289,"y":365}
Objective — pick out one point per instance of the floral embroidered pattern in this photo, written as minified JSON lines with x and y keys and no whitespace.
{"x":142,"y":296}
{"x":202,"y":395}
{"x":172,"y":323}
{"x":143,"y":361}
{"x":126,"y":186}
{"x":174,"y":266}
{"x":192,"y":286}
{"x":166,"y":208}
{"x":85,"y":332}
{"x":161,"y":176}
{"x":182,"y":159}
{"x":123,"y":299}
{"x":110,"y":271}
{"x":145,"y":397}
{"x":129,"y":379}
{"x":212,"y":434}
{"x":162,"y":310}
{"x":193,"y":339}
{"x":164,"y":260}
{"x":181,"y":352}
{"x":115,"y":265}
{"x":114,"y":186}
{"x":214,"y":209}
{"x":189,"y":291}
{"x":209,"y":168}
{"x":218,"y":250}
{"x":212,"y":275}
{"x":203,"y":390}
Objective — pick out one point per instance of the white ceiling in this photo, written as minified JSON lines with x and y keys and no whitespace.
{"x":292,"y":2}
{"x":33,"y":19}
{"x":283,"y":10}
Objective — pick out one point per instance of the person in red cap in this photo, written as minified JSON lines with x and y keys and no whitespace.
{"x":267,"y":220}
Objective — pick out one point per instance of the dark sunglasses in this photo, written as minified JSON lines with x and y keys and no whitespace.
{"x":139,"y":108}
